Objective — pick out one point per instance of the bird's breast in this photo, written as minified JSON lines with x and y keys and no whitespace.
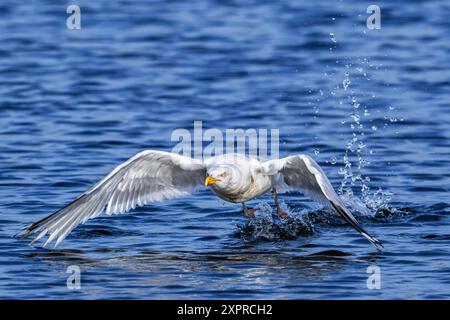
{"x":255,"y":187}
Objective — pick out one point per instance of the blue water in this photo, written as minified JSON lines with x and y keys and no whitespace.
{"x":371,"y":106}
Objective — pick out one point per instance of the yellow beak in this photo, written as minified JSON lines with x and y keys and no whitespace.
{"x":210,"y":180}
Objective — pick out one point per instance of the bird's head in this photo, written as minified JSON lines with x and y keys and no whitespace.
{"x":220,"y":177}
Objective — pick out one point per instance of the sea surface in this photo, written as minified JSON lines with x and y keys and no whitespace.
{"x":371,"y":106}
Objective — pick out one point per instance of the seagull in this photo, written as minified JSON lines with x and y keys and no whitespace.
{"x":153,"y":176}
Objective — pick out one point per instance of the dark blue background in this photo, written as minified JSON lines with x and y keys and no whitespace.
{"x":76,"y":103}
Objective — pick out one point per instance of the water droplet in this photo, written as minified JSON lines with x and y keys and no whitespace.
{"x":345,"y":83}
{"x":355,"y":117}
{"x":349,"y":193}
{"x":332,"y":37}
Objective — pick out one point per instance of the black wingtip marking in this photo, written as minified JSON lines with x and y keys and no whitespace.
{"x":375,"y":242}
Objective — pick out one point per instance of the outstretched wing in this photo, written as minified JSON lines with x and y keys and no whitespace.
{"x":149,"y":176}
{"x":303,"y":173}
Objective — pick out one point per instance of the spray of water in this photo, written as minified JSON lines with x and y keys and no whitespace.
{"x":355,"y":157}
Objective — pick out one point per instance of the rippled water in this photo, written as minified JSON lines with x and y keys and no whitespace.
{"x":371,"y":106}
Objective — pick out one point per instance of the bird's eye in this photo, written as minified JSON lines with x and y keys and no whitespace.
{"x":223,"y":174}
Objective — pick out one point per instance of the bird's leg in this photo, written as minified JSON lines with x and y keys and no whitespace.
{"x":282,"y":214}
{"x":248,"y":212}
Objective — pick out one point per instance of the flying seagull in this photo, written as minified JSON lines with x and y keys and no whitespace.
{"x":152,"y":176}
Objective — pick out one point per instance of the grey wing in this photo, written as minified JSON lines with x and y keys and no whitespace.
{"x":149,"y":176}
{"x":303,"y":173}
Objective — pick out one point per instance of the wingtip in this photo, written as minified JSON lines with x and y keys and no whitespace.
{"x":352,"y":221}
{"x":379,"y":246}
{"x":23,"y":233}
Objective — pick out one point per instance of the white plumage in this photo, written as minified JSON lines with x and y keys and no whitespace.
{"x":152,"y":176}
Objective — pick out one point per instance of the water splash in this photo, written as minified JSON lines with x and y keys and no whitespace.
{"x":306,"y":222}
{"x":355,"y":181}
{"x":355,"y":155}
{"x":346,"y":82}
